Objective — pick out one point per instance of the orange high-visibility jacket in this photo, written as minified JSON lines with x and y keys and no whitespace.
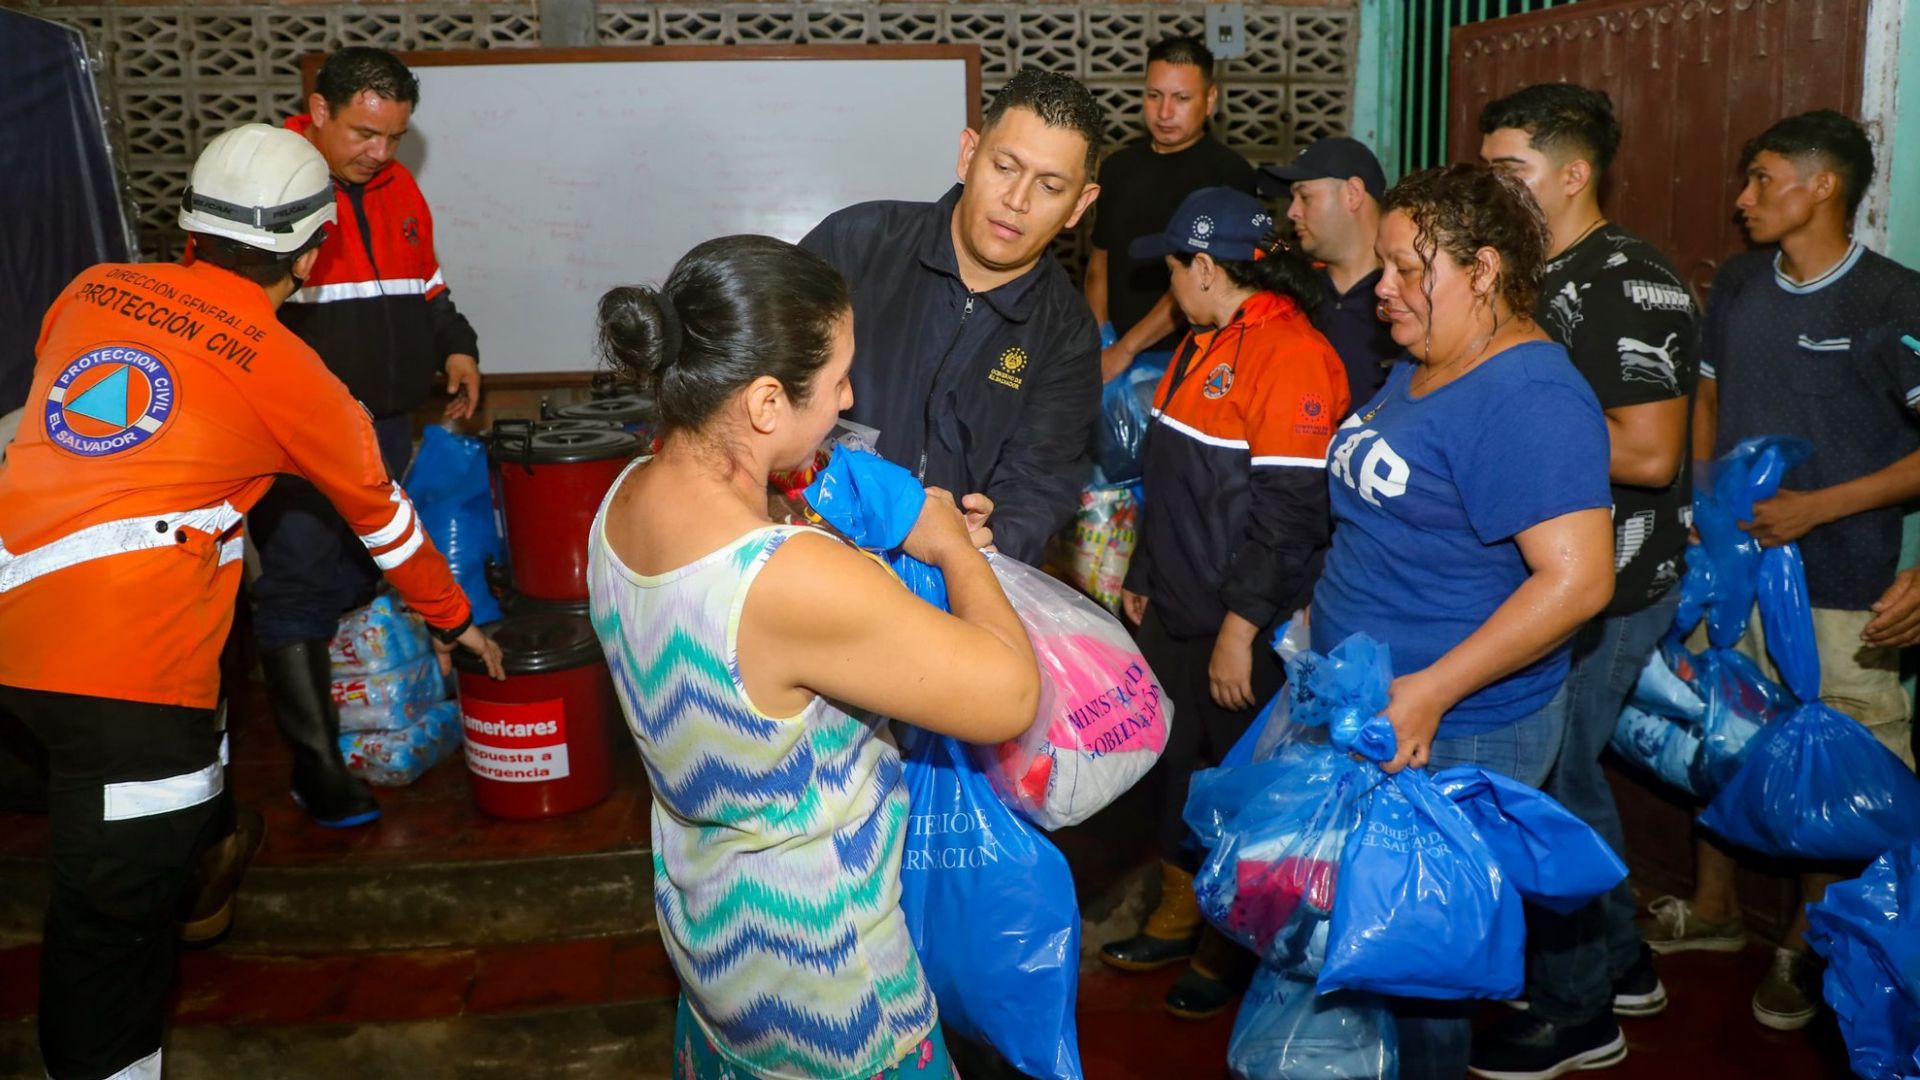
{"x":165,"y":398}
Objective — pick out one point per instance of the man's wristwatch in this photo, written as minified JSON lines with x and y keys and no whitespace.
{"x":448,"y":637}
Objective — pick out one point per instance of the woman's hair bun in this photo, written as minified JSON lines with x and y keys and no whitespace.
{"x":634,"y":333}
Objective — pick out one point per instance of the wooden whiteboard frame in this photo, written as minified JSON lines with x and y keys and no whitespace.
{"x":595,"y":54}
{"x":969,"y":54}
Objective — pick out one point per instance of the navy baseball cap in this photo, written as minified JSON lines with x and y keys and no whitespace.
{"x":1222,"y":222}
{"x":1337,"y":158}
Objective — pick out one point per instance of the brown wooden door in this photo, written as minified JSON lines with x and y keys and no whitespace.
{"x":1691,"y":80}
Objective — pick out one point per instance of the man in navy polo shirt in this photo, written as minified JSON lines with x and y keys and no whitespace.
{"x":975,"y":358}
{"x":1333,"y":190}
{"x":1814,"y":336}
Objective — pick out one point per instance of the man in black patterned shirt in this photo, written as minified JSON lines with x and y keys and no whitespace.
{"x":1629,"y":325}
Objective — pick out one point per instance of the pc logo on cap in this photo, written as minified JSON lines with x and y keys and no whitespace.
{"x":1224,"y":223}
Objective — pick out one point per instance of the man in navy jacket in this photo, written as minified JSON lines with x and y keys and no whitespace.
{"x":975,"y":357}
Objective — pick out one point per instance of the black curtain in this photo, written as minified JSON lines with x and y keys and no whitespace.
{"x":60,"y":209}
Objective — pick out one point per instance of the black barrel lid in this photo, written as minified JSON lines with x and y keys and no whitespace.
{"x":628,"y":409}
{"x":538,"y":642}
{"x":516,"y":602}
{"x":536,"y":445}
{"x":557,"y":424}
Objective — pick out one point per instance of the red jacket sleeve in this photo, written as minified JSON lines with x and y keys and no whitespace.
{"x":328,"y":438}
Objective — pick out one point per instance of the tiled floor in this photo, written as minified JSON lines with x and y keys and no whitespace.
{"x":1708,"y":1033}
{"x":433,"y":819}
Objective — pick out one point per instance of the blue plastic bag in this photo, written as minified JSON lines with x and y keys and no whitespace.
{"x":1553,"y":858}
{"x":1697,"y":591}
{"x":1868,"y":930}
{"x":1748,"y":473}
{"x":1740,"y":703}
{"x":870,"y":500}
{"x":1816,"y":785}
{"x":875,"y":503}
{"x":1286,"y":1030}
{"x":1422,"y":903}
{"x":989,"y":902}
{"x":1422,"y":908}
{"x":1274,"y":864}
{"x":1691,"y":718}
{"x":1344,"y":691}
{"x":449,"y":487}
{"x":1126,"y":409}
{"x":992,"y":910}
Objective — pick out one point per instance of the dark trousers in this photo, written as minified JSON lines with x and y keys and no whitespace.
{"x":313,"y":566}
{"x":1573,"y":959}
{"x":132,"y":799}
{"x":1202,"y":732}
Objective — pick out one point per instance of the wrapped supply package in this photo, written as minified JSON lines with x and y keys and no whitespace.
{"x":395,"y":719}
{"x":382,"y":635}
{"x":1103,"y":716}
{"x":396,"y":757}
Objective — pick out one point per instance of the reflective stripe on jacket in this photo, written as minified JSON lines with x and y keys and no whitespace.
{"x":165,"y":398}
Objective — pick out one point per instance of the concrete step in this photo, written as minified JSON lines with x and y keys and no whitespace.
{"x":358,"y":905}
{"x":632,"y":1040}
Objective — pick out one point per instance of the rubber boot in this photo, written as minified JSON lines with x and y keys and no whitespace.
{"x":299,"y":686}
{"x":216,"y":879}
{"x":1219,"y":973}
{"x":1171,"y":931}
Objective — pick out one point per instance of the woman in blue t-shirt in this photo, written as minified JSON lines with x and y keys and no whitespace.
{"x":1471,"y":512}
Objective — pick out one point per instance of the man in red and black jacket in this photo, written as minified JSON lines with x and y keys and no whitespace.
{"x":377,"y":310}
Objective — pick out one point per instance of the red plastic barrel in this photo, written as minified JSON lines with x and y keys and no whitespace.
{"x":537,"y":742}
{"x":551,"y":483}
{"x":514,"y":602}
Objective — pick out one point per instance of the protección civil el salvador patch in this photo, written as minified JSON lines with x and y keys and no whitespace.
{"x":110,"y":400}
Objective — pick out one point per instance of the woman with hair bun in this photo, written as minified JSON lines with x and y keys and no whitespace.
{"x":1472,"y":523}
{"x":755,"y":661}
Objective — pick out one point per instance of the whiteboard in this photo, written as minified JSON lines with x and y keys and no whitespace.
{"x":552,"y":182}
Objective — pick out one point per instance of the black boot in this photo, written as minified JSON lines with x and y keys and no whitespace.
{"x":299,"y":685}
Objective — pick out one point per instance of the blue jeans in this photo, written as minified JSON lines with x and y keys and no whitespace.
{"x":1573,"y":960}
{"x":1436,"y":1037}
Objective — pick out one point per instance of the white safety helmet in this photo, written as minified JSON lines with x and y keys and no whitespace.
{"x":264,"y":186}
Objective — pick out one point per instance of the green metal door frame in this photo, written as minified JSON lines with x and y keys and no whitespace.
{"x":1377,"y":82}
{"x":1901,"y":130}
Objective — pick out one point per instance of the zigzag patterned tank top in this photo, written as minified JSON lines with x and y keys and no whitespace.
{"x":776,"y":840}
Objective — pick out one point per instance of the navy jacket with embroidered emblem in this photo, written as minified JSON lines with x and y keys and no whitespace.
{"x":994,"y":392}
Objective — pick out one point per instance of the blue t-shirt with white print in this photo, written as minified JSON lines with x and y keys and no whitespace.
{"x":1427,"y":497}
